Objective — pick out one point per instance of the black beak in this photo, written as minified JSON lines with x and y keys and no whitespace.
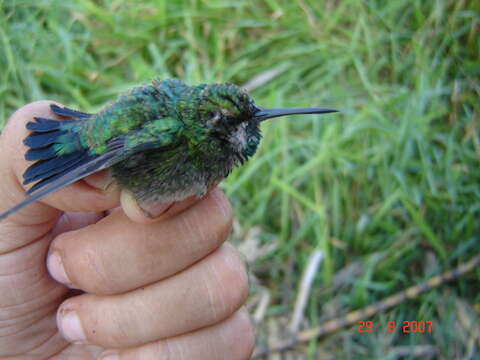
{"x":264,"y":114}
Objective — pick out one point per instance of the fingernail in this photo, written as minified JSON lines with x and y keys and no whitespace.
{"x":70,"y":326}
{"x":154,"y":210}
{"x":101,"y":180}
{"x":109,"y":355}
{"x":56,"y":269}
{"x":136,"y":210}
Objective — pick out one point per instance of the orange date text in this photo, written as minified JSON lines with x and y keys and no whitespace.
{"x":422,"y":326}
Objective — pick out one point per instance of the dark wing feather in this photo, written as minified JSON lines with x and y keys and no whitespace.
{"x":55,"y":165}
{"x":69,"y":112}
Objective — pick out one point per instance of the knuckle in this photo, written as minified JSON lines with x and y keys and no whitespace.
{"x":232,"y":287}
{"x":92,"y":274}
{"x":244,"y":342}
{"x":83,"y":264}
{"x":223,"y":216}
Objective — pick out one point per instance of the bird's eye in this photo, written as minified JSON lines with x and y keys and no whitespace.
{"x":215,"y":116}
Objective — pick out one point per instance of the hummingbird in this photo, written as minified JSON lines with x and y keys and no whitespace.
{"x":163,"y":140}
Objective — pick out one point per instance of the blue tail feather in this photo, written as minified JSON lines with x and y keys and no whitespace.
{"x":40,"y":153}
{"x":38,"y":140}
{"x":43,"y":125}
{"x":55,"y":147}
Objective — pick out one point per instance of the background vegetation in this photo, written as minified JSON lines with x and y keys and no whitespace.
{"x":388,"y":189}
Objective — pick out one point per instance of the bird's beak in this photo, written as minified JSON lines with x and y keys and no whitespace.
{"x":264,"y":114}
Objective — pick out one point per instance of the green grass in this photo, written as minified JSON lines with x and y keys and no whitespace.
{"x":392,"y":183}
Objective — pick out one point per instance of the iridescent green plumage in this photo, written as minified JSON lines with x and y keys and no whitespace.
{"x":164,"y":140}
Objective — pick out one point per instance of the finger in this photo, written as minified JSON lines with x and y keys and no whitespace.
{"x":204,"y":294}
{"x":147,"y":213}
{"x":233,"y":339}
{"x":89,"y":259}
{"x":74,"y":221}
{"x":152,"y":212}
{"x":76,"y":197}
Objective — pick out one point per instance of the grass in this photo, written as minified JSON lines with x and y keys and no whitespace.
{"x":390,"y":187}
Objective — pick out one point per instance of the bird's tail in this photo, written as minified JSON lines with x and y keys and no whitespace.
{"x":61,"y":157}
{"x":55,"y":146}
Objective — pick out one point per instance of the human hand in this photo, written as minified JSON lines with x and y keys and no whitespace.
{"x":167,"y":287}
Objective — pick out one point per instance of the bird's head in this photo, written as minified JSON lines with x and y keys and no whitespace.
{"x":229,"y":114}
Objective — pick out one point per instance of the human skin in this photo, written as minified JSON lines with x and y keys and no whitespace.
{"x":85,"y":274}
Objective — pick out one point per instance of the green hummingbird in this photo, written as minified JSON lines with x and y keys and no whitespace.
{"x":164,"y":141}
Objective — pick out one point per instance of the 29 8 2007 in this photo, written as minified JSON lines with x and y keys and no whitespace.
{"x":413,"y":326}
